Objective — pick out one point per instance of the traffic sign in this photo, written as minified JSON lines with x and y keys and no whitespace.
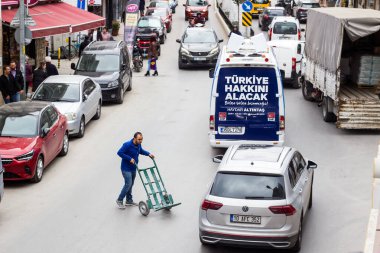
{"x":247,"y":6}
{"x":246,"y":19}
{"x":28,"y":36}
{"x":29,"y":21}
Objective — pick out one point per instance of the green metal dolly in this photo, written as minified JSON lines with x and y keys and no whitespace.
{"x":158,"y":197}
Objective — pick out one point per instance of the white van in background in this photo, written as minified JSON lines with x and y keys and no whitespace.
{"x":284,"y":28}
{"x":289,"y":55}
{"x":247,"y":101}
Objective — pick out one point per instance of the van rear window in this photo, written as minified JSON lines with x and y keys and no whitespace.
{"x":248,"y":186}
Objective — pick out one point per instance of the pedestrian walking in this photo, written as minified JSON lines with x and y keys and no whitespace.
{"x":152,"y":57}
{"x":142,"y":7}
{"x":17,"y":74}
{"x":51,"y":69}
{"x":10,"y":89}
{"x":28,"y":76}
{"x":129,"y":153}
{"x":235,"y":30}
{"x":39,"y":76}
{"x":105,"y":34}
{"x":84,"y":44}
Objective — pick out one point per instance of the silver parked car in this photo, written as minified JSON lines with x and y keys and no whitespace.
{"x":1,"y":180}
{"x":78,"y":97}
{"x":259,"y":198}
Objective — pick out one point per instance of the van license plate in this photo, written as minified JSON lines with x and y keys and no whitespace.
{"x":245,"y":219}
{"x":199,"y":58}
{"x":231,"y":130}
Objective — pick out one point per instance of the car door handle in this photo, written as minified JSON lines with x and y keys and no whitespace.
{"x":306,"y":179}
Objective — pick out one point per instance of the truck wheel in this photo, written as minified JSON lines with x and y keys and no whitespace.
{"x":306,"y":91}
{"x":328,"y":110}
{"x":295,"y":83}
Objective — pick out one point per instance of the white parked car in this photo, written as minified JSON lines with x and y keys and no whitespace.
{"x":78,"y":97}
{"x":259,"y":198}
{"x":289,"y":56}
{"x":284,"y":28}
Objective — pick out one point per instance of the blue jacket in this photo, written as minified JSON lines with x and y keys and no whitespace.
{"x":129,"y":151}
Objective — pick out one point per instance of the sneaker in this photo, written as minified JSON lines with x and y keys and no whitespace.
{"x":120,"y":204}
{"x":130,"y":203}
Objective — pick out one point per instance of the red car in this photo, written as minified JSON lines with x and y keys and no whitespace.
{"x":193,"y":7}
{"x":32,"y":134}
{"x":165,"y":16}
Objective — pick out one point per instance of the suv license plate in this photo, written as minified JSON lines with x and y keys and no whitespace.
{"x":250,"y":219}
{"x":231,"y":130}
{"x":199,"y":58}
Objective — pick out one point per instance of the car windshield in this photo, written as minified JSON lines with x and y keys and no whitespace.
{"x":285,"y":28}
{"x":18,"y":125}
{"x":151,"y":22}
{"x":310,"y":5}
{"x":196,"y":36}
{"x":275,"y":12}
{"x":197,"y":3}
{"x":99,"y":63}
{"x":248,"y":186}
{"x":54,"y":92}
{"x":159,"y":4}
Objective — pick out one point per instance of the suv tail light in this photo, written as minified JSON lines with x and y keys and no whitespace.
{"x":207,"y":204}
{"x":299,"y":34}
{"x":293,"y":63}
{"x":270,"y":34}
{"x":288,"y":210}
{"x":282,"y":122}
{"x":212,"y":122}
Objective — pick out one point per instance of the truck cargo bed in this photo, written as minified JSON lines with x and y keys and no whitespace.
{"x":358,"y":108}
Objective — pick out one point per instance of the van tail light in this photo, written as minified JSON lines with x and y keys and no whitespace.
{"x":207,"y":204}
{"x":293,"y":63}
{"x":282,"y":122}
{"x":270,"y":34}
{"x":288,"y":210}
{"x":266,"y":17}
{"x":212,"y":122}
{"x":299,"y":34}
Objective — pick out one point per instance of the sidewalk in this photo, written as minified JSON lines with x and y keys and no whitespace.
{"x":65,"y":66}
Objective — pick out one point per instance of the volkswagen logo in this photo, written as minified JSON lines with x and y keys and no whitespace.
{"x":199,"y":53}
{"x":245,"y":209}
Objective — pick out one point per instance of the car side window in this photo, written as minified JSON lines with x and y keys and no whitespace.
{"x":45,"y":120}
{"x":89,"y":87}
{"x":292,"y":175}
{"x":53,"y":114}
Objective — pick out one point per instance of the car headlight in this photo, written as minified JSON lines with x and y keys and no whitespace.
{"x":214,"y":51}
{"x":71,"y":116}
{"x":25,"y":157}
{"x":113,"y":84}
{"x":185,"y":51}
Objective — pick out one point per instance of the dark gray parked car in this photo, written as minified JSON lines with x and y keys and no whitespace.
{"x":199,"y":47}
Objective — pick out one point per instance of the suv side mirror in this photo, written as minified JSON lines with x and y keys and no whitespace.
{"x":211,"y":73}
{"x":72,"y":66}
{"x":311,"y":165}
{"x":45,"y":132}
{"x":217,"y":159}
{"x":299,"y":48}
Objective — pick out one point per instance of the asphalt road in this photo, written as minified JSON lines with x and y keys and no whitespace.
{"x":73,"y":209}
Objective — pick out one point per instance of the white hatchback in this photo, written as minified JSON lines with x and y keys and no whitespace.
{"x":284,"y":28}
{"x":259,"y":198}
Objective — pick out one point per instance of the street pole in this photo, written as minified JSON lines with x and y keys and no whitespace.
{"x":22,"y":40}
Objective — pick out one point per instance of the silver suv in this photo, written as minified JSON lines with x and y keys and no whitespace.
{"x":259,"y":197}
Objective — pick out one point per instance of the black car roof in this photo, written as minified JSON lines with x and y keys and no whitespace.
{"x":100,"y":46}
{"x":23,"y":107}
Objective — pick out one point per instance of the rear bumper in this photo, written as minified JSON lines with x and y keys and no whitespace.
{"x":209,"y":61}
{"x":220,"y":143}
{"x":213,"y":237}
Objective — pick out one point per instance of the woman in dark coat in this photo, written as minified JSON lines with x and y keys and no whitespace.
{"x":39,"y":76}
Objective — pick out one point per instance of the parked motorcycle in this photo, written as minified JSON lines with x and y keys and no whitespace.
{"x":137,"y":59}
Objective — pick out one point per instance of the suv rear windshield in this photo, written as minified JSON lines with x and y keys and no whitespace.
{"x":248,"y":186}
{"x":285,"y":28}
{"x":99,"y":63}
{"x":274,"y":12}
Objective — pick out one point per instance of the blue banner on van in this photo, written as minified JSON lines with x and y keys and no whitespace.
{"x":247,"y":107}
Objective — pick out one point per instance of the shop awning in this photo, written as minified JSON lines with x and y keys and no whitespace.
{"x":57,"y":18}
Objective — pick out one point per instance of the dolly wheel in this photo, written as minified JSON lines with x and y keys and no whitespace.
{"x":144,"y":209}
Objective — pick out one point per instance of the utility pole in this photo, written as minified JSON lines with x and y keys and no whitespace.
{"x":22,"y":40}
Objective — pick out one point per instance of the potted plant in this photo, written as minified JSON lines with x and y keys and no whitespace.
{"x":115,"y":27}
